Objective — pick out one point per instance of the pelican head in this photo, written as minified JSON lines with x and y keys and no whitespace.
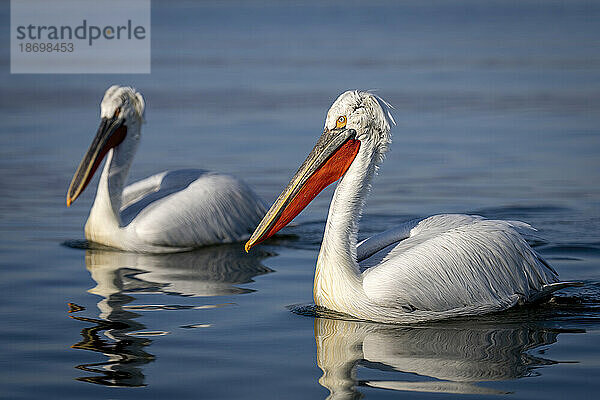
{"x":122,"y":113}
{"x":365,"y":113}
{"x":357,"y":121}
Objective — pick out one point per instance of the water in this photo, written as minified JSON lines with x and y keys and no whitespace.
{"x":497,"y":109}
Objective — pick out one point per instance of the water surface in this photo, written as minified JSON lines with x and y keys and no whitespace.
{"x":497,"y":109}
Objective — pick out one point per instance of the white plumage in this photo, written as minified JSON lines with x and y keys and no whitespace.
{"x":171,"y":211}
{"x":438,"y":267}
{"x":457,"y":263}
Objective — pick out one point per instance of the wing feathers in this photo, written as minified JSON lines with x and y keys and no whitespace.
{"x":454,"y":261}
{"x":192,"y":208}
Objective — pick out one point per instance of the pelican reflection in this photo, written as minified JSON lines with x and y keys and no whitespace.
{"x":119,"y":277}
{"x":442,"y":358}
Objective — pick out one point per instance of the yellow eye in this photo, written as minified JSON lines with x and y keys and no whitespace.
{"x":341,"y":122}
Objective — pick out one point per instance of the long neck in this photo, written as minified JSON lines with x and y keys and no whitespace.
{"x":105,"y":213}
{"x":337,"y":273}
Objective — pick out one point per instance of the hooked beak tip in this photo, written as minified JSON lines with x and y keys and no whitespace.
{"x":247,"y":246}
{"x":69,"y":201}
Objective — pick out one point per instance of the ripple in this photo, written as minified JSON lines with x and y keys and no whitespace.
{"x":574,"y":304}
{"x":195,"y":326}
{"x":314,"y":311}
{"x":572,"y":249}
{"x":85,"y":245}
{"x":522,"y":210}
{"x":160,"y":307}
{"x":148,"y":333}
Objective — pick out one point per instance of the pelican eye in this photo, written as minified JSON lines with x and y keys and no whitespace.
{"x":341,"y":122}
{"x":117,"y":112}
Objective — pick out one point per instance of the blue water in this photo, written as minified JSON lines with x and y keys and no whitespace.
{"x":497,"y":109}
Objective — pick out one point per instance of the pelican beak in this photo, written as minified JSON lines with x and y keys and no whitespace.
{"x":111,"y":133}
{"x":329,"y":160}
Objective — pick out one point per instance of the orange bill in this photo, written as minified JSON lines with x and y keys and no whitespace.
{"x":330,"y":159}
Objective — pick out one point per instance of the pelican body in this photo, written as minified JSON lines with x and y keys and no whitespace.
{"x":171,"y":211}
{"x":437,"y":267}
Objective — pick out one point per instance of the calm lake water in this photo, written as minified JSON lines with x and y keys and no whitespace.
{"x":497,"y":105}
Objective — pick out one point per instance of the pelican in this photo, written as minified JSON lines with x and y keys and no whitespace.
{"x":168,"y":212}
{"x":433,"y":268}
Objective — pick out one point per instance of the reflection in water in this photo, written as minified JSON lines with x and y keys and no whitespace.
{"x":125,"y":354}
{"x":446,"y":358}
{"x":212,"y":271}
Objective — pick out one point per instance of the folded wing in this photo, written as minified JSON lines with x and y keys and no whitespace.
{"x":452,"y":261}
{"x":189,"y":208}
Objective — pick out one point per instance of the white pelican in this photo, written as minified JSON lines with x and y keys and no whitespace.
{"x":167,"y":212}
{"x":438,"y":267}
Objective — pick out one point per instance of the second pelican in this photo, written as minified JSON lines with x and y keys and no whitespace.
{"x":171,"y":211}
{"x":438,"y":267}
